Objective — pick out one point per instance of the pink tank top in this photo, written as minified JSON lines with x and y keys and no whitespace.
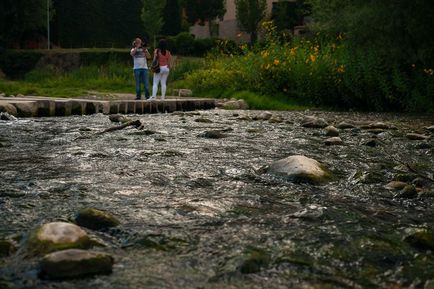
{"x":164,"y":59}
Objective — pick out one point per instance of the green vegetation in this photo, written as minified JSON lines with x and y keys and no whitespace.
{"x":319,"y":71}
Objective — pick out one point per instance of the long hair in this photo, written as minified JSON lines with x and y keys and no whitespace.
{"x":162,"y":45}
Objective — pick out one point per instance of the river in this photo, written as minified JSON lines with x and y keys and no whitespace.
{"x":198,"y":212}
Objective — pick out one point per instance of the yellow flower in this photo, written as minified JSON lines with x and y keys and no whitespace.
{"x":276,"y":61}
{"x":341,"y":69}
{"x":312,"y":58}
{"x":293,"y":51}
{"x":265,"y":54}
{"x":429,"y":71}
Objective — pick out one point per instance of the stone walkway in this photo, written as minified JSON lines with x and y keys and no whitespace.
{"x":36,"y":106}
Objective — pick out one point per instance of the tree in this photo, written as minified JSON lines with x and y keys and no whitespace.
{"x":203,"y":10}
{"x":249,"y":14}
{"x":18,"y":17}
{"x":400,"y":30}
{"x":172,"y":18}
{"x":152,"y":17}
{"x":287,"y":14}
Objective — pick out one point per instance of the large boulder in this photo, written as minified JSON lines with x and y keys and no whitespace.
{"x":74,"y":263}
{"x":95,"y":219}
{"x":300,"y":169}
{"x":57,"y":236}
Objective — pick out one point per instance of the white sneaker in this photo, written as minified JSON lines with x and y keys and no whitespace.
{"x":151,"y":98}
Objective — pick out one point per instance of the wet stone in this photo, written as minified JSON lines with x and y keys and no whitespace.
{"x":371,"y":143}
{"x":118,"y":118}
{"x":395,"y":185}
{"x":416,"y":136}
{"x":333,"y":141}
{"x":6,"y":248}
{"x":212,"y":134}
{"x":57,"y":236}
{"x":75,"y":263}
{"x":421,"y":239}
{"x":331,"y":131}
{"x":203,"y":120}
{"x":253,"y":260}
{"x":376,"y":125}
{"x":408,"y":192}
{"x":313,"y":122}
{"x":345,"y":125}
{"x":300,"y":169}
{"x":430,"y":128}
{"x":423,"y":146}
{"x":95,"y":219}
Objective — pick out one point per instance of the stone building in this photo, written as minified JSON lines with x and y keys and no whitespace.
{"x":228,"y":27}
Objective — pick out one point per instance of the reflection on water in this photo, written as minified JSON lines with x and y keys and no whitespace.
{"x":196,"y":212}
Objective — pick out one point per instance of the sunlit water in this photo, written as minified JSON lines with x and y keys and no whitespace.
{"x":194,"y":211}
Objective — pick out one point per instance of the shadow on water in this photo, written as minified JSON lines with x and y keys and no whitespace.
{"x":196,"y":213}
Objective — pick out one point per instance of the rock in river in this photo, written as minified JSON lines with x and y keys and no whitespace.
{"x":95,"y":219}
{"x":57,"y":236}
{"x":416,"y":136}
{"x":331,"y":131}
{"x":74,"y":263}
{"x":333,"y":141}
{"x":313,"y":122}
{"x":421,"y":239}
{"x":300,"y":169}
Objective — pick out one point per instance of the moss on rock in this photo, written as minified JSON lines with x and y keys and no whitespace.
{"x":95,"y":219}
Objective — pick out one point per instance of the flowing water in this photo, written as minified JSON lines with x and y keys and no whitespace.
{"x":197,"y":212}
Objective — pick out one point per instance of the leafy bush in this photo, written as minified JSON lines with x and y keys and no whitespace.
{"x":184,"y":43}
{"x":318,"y":71}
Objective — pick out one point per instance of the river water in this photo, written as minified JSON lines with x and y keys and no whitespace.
{"x":197,"y":212}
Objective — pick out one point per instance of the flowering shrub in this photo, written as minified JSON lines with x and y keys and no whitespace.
{"x":318,"y":72}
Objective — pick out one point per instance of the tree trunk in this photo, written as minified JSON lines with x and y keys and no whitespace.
{"x":253,"y":37}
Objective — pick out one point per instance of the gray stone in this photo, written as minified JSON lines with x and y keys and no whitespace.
{"x":276,"y":119}
{"x":266,"y":115}
{"x":212,"y":134}
{"x":313,"y":122}
{"x":8,"y":108}
{"x":344,"y":125}
{"x":57,"y":236}
{"x":371,"y":143}
{"x":333,"y":141}
{"x":376,"y":125}
{"x":408,"y":192}
{"x":331,"y":131}
{"x":300,"y":169}
{"x":74,"y":263}
{"x":430,"y":128}
{"x":26,"y":108}
{"x":421,"y":239}
{"x":395,"y":185}
{"x":185,"y":92}
{"x":95,"y":219}
{"x":203,"y":120}
{"x":416,"y":136}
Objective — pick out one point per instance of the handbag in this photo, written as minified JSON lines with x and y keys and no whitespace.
{"x":155,"y":67}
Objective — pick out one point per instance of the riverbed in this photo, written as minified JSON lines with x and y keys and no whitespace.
{"x":199,"y":212}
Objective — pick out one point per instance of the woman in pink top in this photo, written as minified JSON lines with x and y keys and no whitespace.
{"x":164,"y":59}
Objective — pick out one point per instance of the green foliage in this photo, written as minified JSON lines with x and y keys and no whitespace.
{"x":249,"y":14}
{"x":317,"y":72}
{"x":20,"y":17}
{"x":172,"y":18}
{"x":152,"y":17}
{"x":287,"y":14}
{"x":399,"y":30}
{"x":184,"y":43}
{"x":203,"y":10}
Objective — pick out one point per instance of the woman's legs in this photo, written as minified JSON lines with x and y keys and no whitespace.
{"x":164,"y":74}
{"x":157,"y":78}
